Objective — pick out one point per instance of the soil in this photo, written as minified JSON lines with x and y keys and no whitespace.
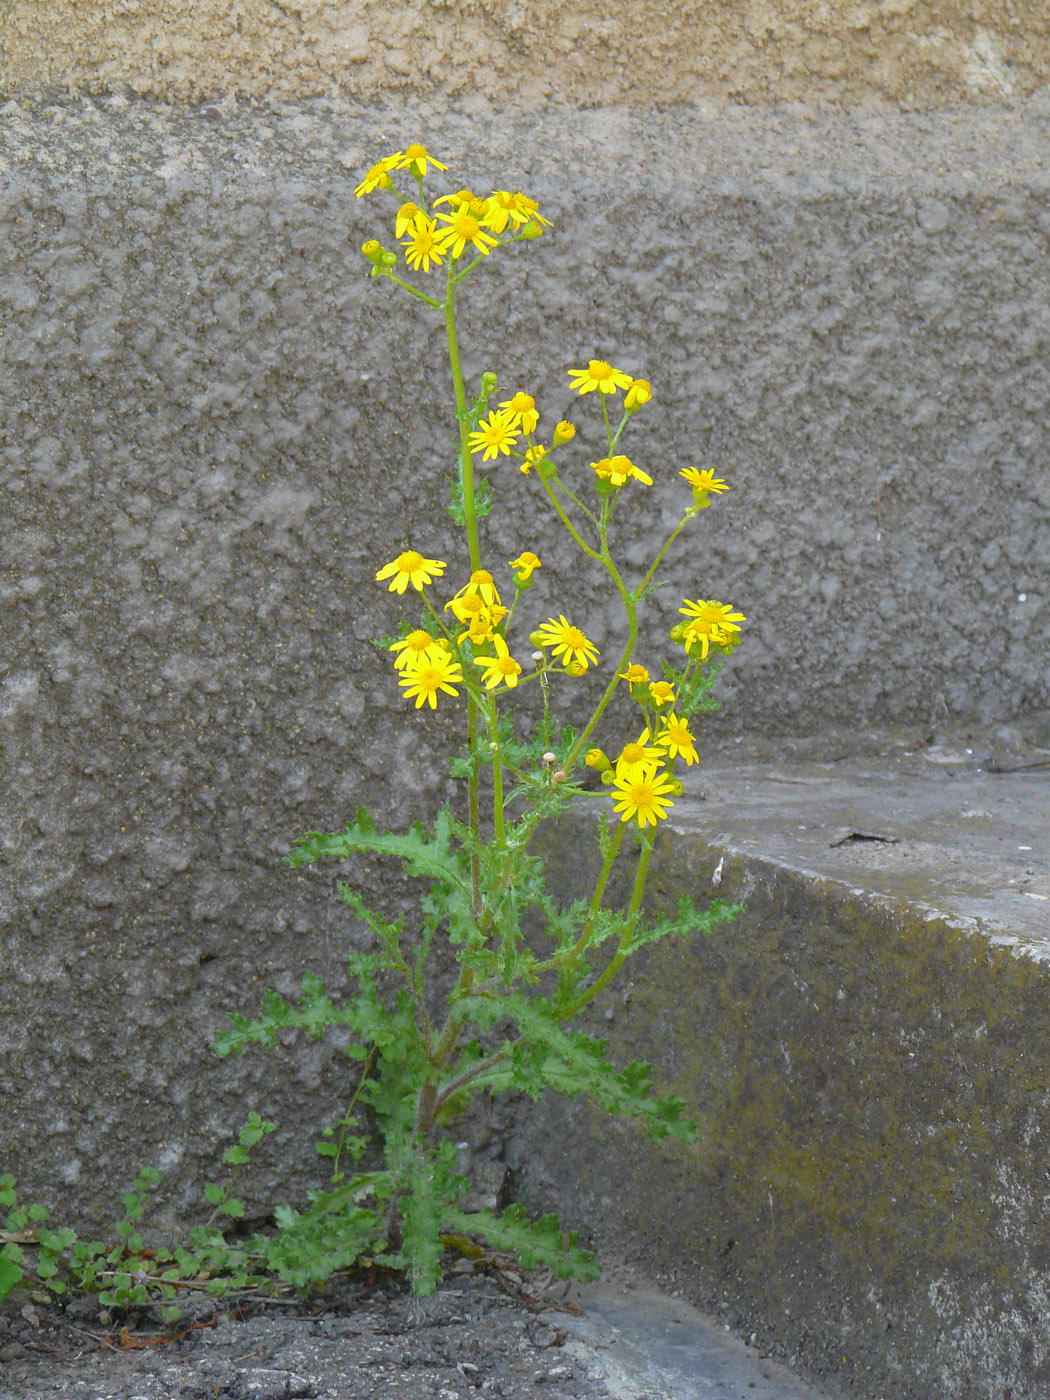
{"x":492,"y":1333}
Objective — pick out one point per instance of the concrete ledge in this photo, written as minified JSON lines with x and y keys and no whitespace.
{"x":872,"y":1078}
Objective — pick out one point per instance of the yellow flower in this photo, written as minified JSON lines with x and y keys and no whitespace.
{"x":703,"y":482}
{"x":416,"y":158}
{"x":523,"y":408}
{"x":617,"y":470}
{"x":480,"y":585}
{"x":709,"y":622}
{"x":569,"y":643}
{"x":378,"y":177}
{"x":433,"y":674}
{"x":677,"y":739}
{"x":661,"y":693}
{"x":644,"y":797}
{"x":463,"y":228}
{"x":518,"y":209}
{"x":409,"y":218}
{"x":422,"y":247}
{"x":533,"y":457}
{"x":494,"y":435}
{"x":640,"y":392}
{"x":599,"y":375}
{"x":501,"y":668}
{"x":411,"y":568}
{"x":636,"y":759}
{"x":634,"y":675}
{"x":525,"y":565}
{"x":417,"y":647}
{"x":564,"y":432}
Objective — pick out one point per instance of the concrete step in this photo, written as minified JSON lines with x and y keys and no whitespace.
{"x":867,"y":1053}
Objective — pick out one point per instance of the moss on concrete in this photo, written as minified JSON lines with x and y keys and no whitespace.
{"x":870,"y":1190}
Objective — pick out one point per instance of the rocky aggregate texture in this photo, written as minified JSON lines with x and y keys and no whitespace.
{"x":214,"y":426}
{"x":529,"y":52}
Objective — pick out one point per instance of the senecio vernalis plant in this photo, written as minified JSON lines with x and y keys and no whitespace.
{"x":506,"y":1017}
{"x":526,"y":968}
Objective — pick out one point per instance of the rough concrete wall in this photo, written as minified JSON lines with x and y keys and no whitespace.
{"x":527,"y":52}
{"x":868,"y":1195}
{"x":213,"y":426}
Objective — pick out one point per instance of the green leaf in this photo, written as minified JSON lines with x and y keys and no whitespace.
{"x":233,"y":1208}
{"x":10,"y":1274}
{"x":214,"y":1193}
{"x":534,"y":1242}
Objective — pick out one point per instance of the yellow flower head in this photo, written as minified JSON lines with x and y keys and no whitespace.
{"x":480,"y":585}
{"x":500,"y":669}
{"x":640,"y":392}
{"x":597,"y":759}
{"x":422,"y":248}
{"x":635,"y":675}
{"x":599,"y":375}
{"x":564,"y":432}
{"x":569,"y":643}
{"x":644,"y":797}
{"x":676,"y":737}
{"x":641,"y":757}
{"x":494,"y":435}
{"x":416,"y":158}
{"x":409,"y":218}
{"x":661,"y":693}
{"x":525,"y":566}
{"x":517,"y":209}
{"x":533,"y":457}
{"x":417,"y":647}
{"x":378,"y":178}
{"x":433,"y":674}
{"x":709,"y":622}
{"x":411,"y":568}
{"x":703,"y":483}
{"x":463,"y":228}
{"x":617,"y":470}
{"x":523,"y":408}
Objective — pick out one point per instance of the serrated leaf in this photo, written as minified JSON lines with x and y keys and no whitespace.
{"x":533,"y":1242}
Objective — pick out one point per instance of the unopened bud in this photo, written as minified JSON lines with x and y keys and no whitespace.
{"x":532,"y":230}
{"x":564,"y":432}
{"x":488,"y":382}
{"x":536,"y":638}
{"x":596,"y":759}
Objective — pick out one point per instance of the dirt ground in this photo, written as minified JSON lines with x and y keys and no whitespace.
{"x":916,"y":53}
{"x":482,"y":1334}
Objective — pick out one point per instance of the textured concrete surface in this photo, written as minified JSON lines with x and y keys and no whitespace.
{"x":867,"y":1051}
{"x":211,"y":425}
{"x":528,"y":52}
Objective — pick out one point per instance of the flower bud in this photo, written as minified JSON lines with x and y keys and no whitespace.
{"x":536,"y":638}
{"x":532,"y":230}
{"x":609,"y":777}
{"x":596,"y":759}
{"x":546,"y":469}
{"x":488,"y":382}
{"x":371,"y":249}
{"x":564,"y":432}
{"x":676,"y":787}
{"x":679,"y":633}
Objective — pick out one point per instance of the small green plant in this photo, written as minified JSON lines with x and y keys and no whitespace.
{"x":506,"y":1019}
{"x":525,"y":966}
